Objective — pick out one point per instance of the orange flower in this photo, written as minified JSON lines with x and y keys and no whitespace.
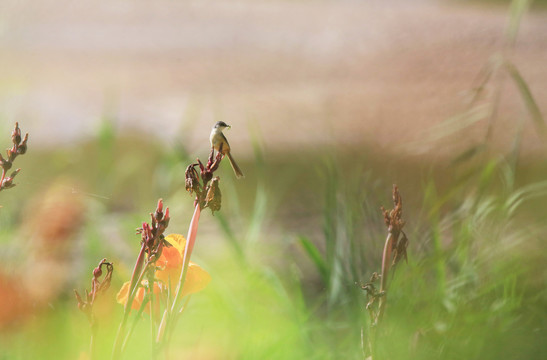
{"x":123,"y":294}
{"x":170,"y":266}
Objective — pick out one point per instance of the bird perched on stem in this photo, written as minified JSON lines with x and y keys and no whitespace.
{"x":217,"y":139}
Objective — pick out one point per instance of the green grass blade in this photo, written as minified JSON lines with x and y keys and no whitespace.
{"x":516,"y":12}
{"x":315,"y":256}
{"x":230,"y":235}
{"x":528,"y":98}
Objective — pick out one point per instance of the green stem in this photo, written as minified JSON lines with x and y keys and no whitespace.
{"x":134,"y":324}
{"x":93,"y":326}
{"x":136,"y":277}
{"x":191,"y":239}
{"x":152,"y":313}
{"x":174,"y":324}
{"x":386,"y":265}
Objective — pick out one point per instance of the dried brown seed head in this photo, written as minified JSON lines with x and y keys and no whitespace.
{"x":213,"y":199}
{"x":192,"y":180}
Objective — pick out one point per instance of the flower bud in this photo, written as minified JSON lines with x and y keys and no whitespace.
{"x":97,"y":272}
{"x":16,"y":134}
{"x":12,"y":153}
{"x":158,"y":215}
{"x":4,"y":164}
{"x":22,"y":148}
{"x":191,"y":179}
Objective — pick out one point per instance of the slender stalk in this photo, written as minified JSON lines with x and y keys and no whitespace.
{"x":394,"y":251}
{"x":168,"y":321}
{"x":192,"y":232}
{"x":166,"y":314}
{"x":174,"y":324}
{"x":134,"y":324}
{"x":93,"y":327}
{"x":386,"y":265}
{"x":152,"y":314}
{"x":135,"y":280}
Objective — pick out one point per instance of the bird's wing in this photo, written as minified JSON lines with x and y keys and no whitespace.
{"x":224,"y":137}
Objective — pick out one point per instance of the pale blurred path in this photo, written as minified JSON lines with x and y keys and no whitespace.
{"x":345,"y":72}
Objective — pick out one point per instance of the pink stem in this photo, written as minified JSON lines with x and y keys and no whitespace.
{"x":170,"y":317}
{"x":2,"y":178}
{"x":190,"y":241}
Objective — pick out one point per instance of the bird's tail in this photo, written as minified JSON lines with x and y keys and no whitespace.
{"x":237,"y":170}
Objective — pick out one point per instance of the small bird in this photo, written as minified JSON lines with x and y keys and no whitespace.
{"x":217,"y":138}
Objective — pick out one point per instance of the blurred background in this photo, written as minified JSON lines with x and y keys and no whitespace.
{"x":330,"y":102}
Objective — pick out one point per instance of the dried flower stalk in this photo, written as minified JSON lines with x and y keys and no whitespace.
{"x":394,"y":251}
{"x":19,"y":148}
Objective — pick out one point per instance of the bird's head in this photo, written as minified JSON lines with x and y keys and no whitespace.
{"x":221,"y":125}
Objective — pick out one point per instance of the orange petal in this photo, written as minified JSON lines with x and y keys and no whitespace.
{"x":170,"y":258}
{"x":196,"y":279}
{"x":169,"y":274}
{"x":170,"y":261}
{"x":123,"y":294}
{"x":177,"y":241}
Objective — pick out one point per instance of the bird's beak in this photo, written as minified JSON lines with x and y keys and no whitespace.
{"x":229,"y":126}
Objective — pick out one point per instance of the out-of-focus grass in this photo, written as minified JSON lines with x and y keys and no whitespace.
{"x":290,"y":244}
{"x":474,"y":286}
{"x":539,"y":4}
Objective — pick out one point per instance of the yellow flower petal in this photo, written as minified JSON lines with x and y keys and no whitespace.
{"x":196,"y":279}
{"x":177,"y":241}
{"x":122,"y":295}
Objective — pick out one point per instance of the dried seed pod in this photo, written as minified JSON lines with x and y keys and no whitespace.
{"x":192,"y":181}
{"x":213,"y":199}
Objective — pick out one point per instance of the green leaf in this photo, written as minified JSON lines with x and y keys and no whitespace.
{"x":315,"y":256}
{"x":469,"y":153}
{"x":526,"y":94}
{"x":517,"y":11}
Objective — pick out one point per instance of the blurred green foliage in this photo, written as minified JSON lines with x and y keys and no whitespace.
{"x":292,"y":248}
{"x":294,"y":240}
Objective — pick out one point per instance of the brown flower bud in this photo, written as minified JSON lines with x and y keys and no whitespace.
{"x":22,"y":148}
{"x":165,"y":221}
{"x":158,"y":215}
{"x":192,"y":180}
{"x":4,"y":164}
{"x":16,"y":134}
{"x":7,"y":183}
{"x":97,"y":272}
{"x":12,"y":153}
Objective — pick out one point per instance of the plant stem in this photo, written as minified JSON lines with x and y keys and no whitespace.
{"x":136,"y":277}
{"x":386,"y":265}
{"x":173,"y":313}
{"x":152,"y":313}
{"x":134,"y":324}
{"x":93,"y":327}
{"x":174,"y":324}
{"x":192,"y":232}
